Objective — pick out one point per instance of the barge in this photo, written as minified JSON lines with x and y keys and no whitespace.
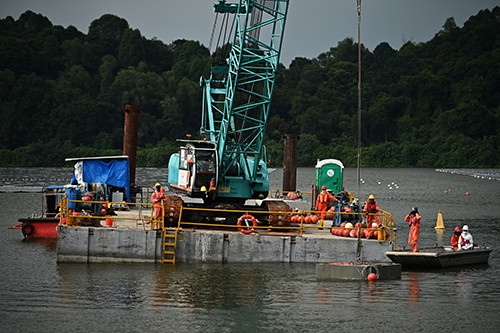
{"x":440,"y":257}
{"x":131,"y":240}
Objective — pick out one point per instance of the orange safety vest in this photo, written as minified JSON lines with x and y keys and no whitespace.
{"x":415,"y":219}
{"x":371,"y":207}
{"x":157,"y":197}
{"x":454,"y":241}
{"x":322,"y":198}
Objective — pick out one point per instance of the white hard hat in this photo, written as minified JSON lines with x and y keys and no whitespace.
{"x":465,"y":228}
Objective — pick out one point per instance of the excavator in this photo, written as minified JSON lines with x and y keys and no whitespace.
{"x":226,"y":168}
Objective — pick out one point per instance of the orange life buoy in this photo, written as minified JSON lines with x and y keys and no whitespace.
{"x":247,"y":217}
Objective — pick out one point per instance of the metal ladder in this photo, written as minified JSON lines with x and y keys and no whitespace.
{"x":170,"y":242}
{"x":169,"y":245}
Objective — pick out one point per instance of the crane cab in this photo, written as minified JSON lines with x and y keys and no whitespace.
{"x":193,"y":170}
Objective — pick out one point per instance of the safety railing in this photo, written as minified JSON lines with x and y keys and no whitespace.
{"x":386,"y":230}
{"x":143,"y":198}
{"x":72,"y":216}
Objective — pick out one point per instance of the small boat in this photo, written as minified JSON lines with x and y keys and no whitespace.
{"x":439,"y":257}
{"x":106,"y":177}
{"x":45,"y":224}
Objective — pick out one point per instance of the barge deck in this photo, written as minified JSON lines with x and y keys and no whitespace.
{"x":130,"y":239}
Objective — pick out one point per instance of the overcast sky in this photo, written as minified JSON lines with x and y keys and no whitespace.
{"x":313,"y":26}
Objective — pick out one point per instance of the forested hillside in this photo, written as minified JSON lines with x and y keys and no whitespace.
{"x":433,"y":104}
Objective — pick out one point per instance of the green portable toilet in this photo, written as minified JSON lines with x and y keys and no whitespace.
{"x":330,"y":172}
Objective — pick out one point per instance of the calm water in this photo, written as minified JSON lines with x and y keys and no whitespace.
{"x":39,"y":295}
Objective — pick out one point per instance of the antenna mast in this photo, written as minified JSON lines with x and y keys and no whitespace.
{"x":359,"y":99}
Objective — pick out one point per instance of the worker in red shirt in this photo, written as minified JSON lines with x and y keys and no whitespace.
{"x":455,"y":237}
{"x":371,"y":207}
{"x":413,"y":220}
{"x":157,"y":198}
{"x":322,"y":203}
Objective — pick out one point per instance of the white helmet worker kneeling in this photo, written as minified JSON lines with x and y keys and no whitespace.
{"x":465,"y":241}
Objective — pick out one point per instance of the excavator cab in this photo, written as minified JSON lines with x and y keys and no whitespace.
{"x":193,"y":170}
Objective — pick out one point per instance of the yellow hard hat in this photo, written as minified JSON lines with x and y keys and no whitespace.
{"x":371,"y":197}
{"x":203,"y":189}
{"x":157,"y":184}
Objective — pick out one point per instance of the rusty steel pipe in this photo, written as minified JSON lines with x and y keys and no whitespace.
{"x":130,"y":138}
{"x":290,"y":162}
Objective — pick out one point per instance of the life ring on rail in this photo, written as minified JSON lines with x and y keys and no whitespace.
{"x":247,"y":217}
{"x":27,"y":229}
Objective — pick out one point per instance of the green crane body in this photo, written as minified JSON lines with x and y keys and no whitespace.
{"x":236,"y":102}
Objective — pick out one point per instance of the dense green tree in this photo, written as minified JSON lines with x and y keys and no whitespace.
{"x":107,"y":32}
{"x":63,"y":92}
{"x":131,"y":49}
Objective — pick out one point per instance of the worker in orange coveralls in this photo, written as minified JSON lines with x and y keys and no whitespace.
{"x":455,"y":237}
{"x":413,"y":220}
{"x":157,"y":198}
{"x":371,"y":207}
{"x":322,"y":203}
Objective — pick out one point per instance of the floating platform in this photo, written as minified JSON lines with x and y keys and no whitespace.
{"x":90,"y":244}
{"x":357,"y":271}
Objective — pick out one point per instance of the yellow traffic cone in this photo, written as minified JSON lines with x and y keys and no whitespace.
{"x":439,"y":223}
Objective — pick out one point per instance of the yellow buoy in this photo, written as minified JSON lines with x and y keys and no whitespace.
{"x":439,"y":223}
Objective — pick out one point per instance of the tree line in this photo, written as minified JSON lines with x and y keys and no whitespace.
{"x":432,"y":104}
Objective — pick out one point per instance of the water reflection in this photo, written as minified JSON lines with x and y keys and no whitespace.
{"x":373,"y":291}
{"x":48,"y":243}
{"x":162,"y":281}
{"x":413,"y":288}
{"x":462,"y":288}
{"x":213,"y":285}
{"x":321,"y":295}
{"x":440,"y":240}
{"x":103,"y":285}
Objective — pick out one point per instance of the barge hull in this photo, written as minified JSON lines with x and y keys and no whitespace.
{"x":88,"y":244}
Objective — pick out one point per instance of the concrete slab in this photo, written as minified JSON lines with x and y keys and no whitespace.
{"x":357,"y":271}
{"x":89,"y":244}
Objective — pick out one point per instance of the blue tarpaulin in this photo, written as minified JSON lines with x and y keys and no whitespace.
{"x":113,"y":172}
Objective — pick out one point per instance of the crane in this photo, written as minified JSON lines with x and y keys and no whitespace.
{"x":228,"y":164}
